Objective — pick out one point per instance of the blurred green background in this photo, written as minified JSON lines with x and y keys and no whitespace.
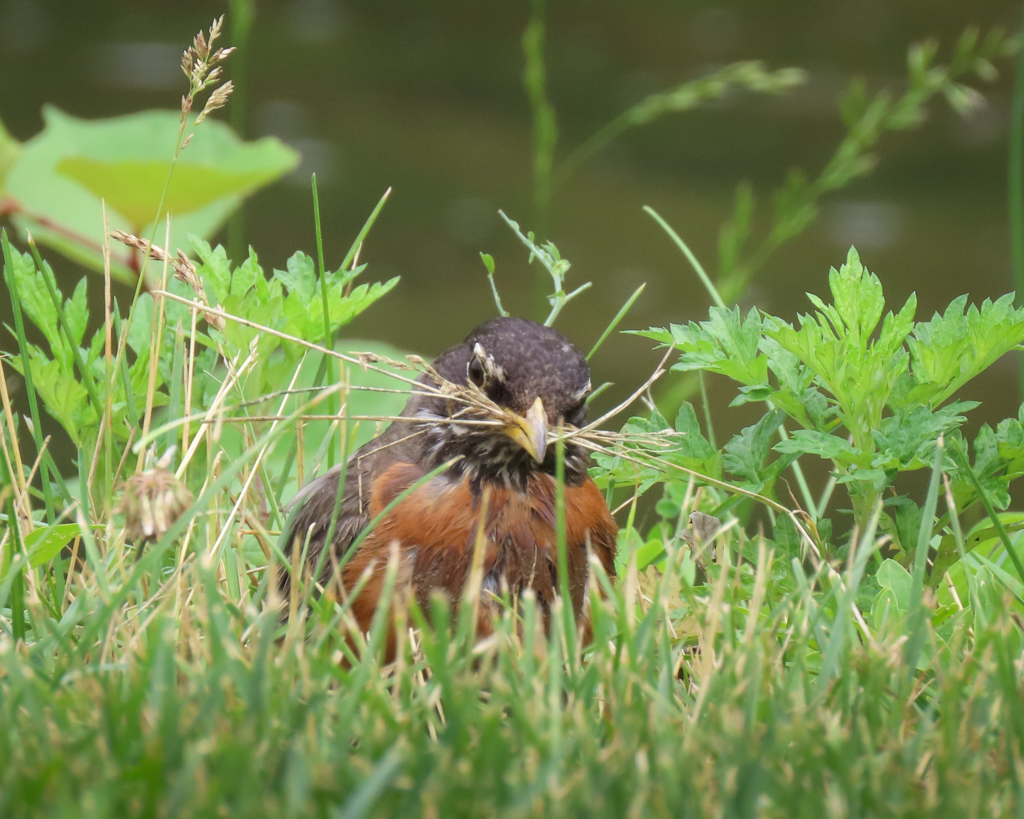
{"x":427,"y":98}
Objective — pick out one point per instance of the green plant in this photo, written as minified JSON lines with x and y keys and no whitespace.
{"x":868,"y":394}
{"x":55,"y":184}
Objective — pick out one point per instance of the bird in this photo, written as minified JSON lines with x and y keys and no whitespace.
{"x":489,"y":408}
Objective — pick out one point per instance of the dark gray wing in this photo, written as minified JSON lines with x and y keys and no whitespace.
{"x":310,"y":518}
{"x":313,"y":506}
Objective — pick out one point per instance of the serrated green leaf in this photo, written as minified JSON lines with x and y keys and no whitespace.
{"x":36,"y":302}
{"x":76,"y":313}
{"x":747,"y":451}
{"x":836,"y":345}
{"x":299,"y":276}
{"x":753,"y":393}
{"x":693,"y":445}
{"x":213,"y":269}
{"x":815,"y":442}
{"x":857,"y":301}
{"x":727,"y":343}
{"x":665,"y":338}
{"x":907,"y":439}
{"x":951,"y":349}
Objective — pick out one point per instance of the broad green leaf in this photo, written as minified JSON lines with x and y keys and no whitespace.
{"x":651,"y":552}
{"x":10,"y":150}
{"x":64,"y":171}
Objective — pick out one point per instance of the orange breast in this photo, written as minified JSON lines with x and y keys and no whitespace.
{"x":435,"y":529}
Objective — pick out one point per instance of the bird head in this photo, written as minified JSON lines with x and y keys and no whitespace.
{"x":515,"y":383}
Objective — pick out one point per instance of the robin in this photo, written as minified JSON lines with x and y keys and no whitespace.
{"x":523,"y":380}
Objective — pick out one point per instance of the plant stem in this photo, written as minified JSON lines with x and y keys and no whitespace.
{"x":1015,"y":180}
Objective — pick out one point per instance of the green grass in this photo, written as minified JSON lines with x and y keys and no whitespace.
{"x":710,"y":702}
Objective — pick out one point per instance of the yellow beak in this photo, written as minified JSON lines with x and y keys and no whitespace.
{"x":531,"y":432}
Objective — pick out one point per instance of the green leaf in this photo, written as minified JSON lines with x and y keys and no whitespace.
{"x":693,"y":445}
{"x":907,"y":439}
{"x":43,"y":545}
{"x":893,"y":602}
{"x":796,"y":393}
{"x":76,"y":313}
{"x":998,"y":460}
{"x":726,"y":343}
{"x":343,"y":310}
{"x":63,"y":396}
{"x":906,"y":526}
{"x":837,"y":344}
{"x":63,"y":172}
{"x":951,"y":349}
{"x":857,"y":301}
{"x":651,"y":552}
{"x":815,"y":442}
{"x":36,"y":302}
{"x":213,"y":268}
{"x":746,"y":452}
{"x":299,"y":277}
{"x":752,"y":394}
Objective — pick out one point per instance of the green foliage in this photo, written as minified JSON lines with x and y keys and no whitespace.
{"x":60,"y":176}
{"x":283,"y":303}
{"x":159,"y":677}
{"x":864,"y":391}
{"x":289,"y":301}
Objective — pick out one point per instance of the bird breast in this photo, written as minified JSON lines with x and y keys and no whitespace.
{"x":440,"y":522}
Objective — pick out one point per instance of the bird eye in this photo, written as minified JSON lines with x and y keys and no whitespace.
{"x":475,"y":371}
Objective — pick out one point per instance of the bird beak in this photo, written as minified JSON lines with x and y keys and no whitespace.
{"x":531,"y":432}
